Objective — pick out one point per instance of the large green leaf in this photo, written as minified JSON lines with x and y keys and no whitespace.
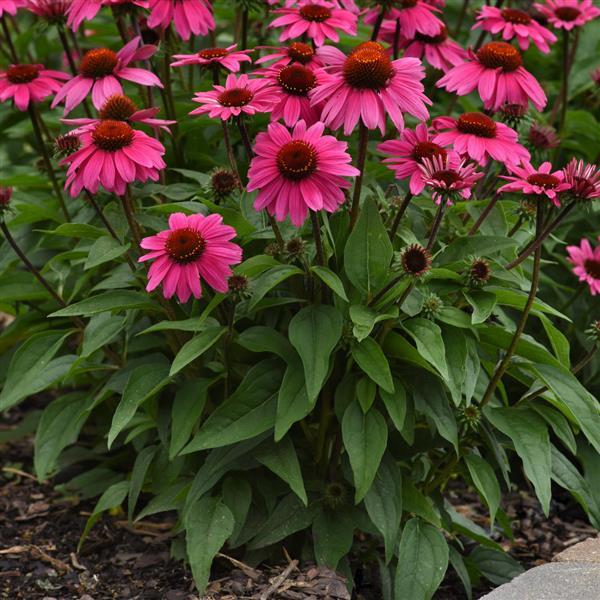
{"x":494,"y":565}
{"x":483,"y":304}
{"x":293,"y":403}
{"x":368,"y":251}
{"x":430,"y":343}
{"x":266,"y":339}
{"x":104,"y":249}
{"x":197,"y":346}
{"x":332,"y":536}
{"x":100,"y":331}
{"x":113,"y":300}
{"x":138,"y":475}
{"x":265,"y":282}
{"x":365,"y":440}
{"x":314,"y":332}
{"x":365,"y":318}
{"x":370,"y":358}
{"x":485,"y":481}
{"x":395,"y":403}
{"x":422,"y":561}
{"x":331,"y":280}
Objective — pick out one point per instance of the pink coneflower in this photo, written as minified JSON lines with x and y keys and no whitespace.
{"x":53,"y":11}
{"x":595,"y":75}
{"x":407,"y":153}
{"x":586,"y":264}
{"x":10,"y":6}
{"x":318,"y":19}
{"x":583,"y":178}
{"x":292,"y":84}
{"x":188,"y":16}
{"x":29,"y":83}
{"x":298,"y":171}
{"x":568,"y":14}
{"x":5,"y":196}
{"x":538,"y":182}
{"x":101,"y":69}
{"x":296,"y":52}
{"x":193,"y":247}
{"x":367,"y":85}
{"x":480,"y":138}
{"x":543,"y":137}
{"x":497,"y":73}
{"x":447,"y":176}
{"x":81,"y":10}
{"x":122,"y":108}
{"x":113,"y":154}
{"x":238,"y":96}
{"x":438,"y":50}
{"x":514,"y":23}
{"x":415,"y":17}
{"x":228,"y":58}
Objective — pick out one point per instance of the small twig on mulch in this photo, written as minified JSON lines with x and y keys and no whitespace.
{"x":246,"y":569}
{"x":279,"y":580}
{"x":37,"y":553}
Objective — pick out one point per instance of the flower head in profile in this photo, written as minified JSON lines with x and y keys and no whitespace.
{"x":439,"y":50}
{"x":407,"y":153}
{"x":415,"y":260}
{"x":535,"y":182}
{"x":320,"y":20}
{"x":10,"y":7}
{"x":448,"y":176}
{"x":5,"y":196}
{"x":414,"y":16}
{"x":299,"y":170}
{"x":497,"y":72}
{"x":543,"y":137}
{"x":194,"y":247}
{"x":188,"y":16}
{"x":296,"y":52}
{"x":101,"y":71}
{"x":81,"y":10}
{"x":583,"y":178}
{"x":113,"y":154}
{"x":228,"y":58}
{"x":586,"y":264}
{"x":25,"y":84}
{"x":568,"y":14}
{"x":240,"y":95}
{"x":367,"y":85}
{"x":480,"y":138}
{"x":514,"y":23}
{"x":52,"y":11}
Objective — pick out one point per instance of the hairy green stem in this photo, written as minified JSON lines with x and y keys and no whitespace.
{"x":484,"y":214}
{"x":363,"y":140}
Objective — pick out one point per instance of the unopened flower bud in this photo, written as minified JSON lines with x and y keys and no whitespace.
{"x":479,"y":272}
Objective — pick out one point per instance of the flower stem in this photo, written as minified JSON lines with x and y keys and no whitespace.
{"x":377,"y":25}
{"x":129,"y":213}
{"x":8,"y":40}
{"x":564,"y":92}
{"x":360,"y":164}
{"x":504,"y":363}
{"x":399,"y":214}
{"x":439,"y":215}
{"x":461,"y":17}
{"x":64,"y":40}
{"x":168,"y":95}
{"x":37,"y":130}
{"x":516,"y":226}
{"x":316,"y":227}
{"x":396,"y":49}
{"x":484,"y":214}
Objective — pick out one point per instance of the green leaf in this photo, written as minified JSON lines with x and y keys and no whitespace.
{"x":265,"y":282}
{"x":248,"y":412}
{"x":455,"y":342}
{"x":458,"y":564}
{"x":397,"y":346}
{"x":100,"y":331}
{"x":138,"y":475}
{"x":414,"y":501}
{"x":496,"y":566}
{"x":560,"y":343}
{"x":529,"y":434}
{"x":113,"y":300}
{"x":111,"y":498}
{"x":517,"y":299}
{"x":483,"y":304}
{"x":331,"y":280}
{"x":77,"y":230}
{"x":559,"y":424}
{"x":32,"y":369}
{"x":21,"y":286}
{"x":365,"y":318}
{"x":195,"y":347}
{"x":395,"y":403}
{"x":368,"y":251}
{"x":59,"y":427}
{"x":365,"y":440}
{"x":208,"y":524}
{"x":314,"y":332}
{"x":188,"y":405}
{"x":485,"y":481}
{"x":293,"y":403}
{"x":281,"y":458}
{"x":384,"y":503}
{"x":103,"y":250}
{"x":422,"y":561}
{"x":366,"y":390}
{"x":144,"y":382}
{"x":332,"y":537}
{"x":237,"y":495}
{"x":479,"y":245}
{"x":370,"y":358}
{"x":195,"y":324}
{"x":430,"y":344}
{"x":266,"y":339}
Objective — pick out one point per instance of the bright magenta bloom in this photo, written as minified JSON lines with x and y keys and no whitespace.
{"x":514,"y":23}
{"x":480,"y":138}
{"x":539,"y":182}
{"x":438,"y":50}
{"x":497,"y":72}
{"x":239,"y":96}
{"x":10,"y":6}
{"x":113,"y":154}
{"x":296,"y":52}
{"x":29,"y":83}
{"x":586,"y":264}
{"x":81,"y":10}
{"x":292,"y":84}
{"x":567,"y":14}
{"x":229,"y":58}
{"x":188,"y":16}
{"x":367,"y":85}
{"x":100,"y":71}
{"x":318,"y":19}
{"x":193,"y":247}
{"x":415,"y":17}
{"x":446,"y":175}
{"x":583,"y":178}
{"x":298,"y":171}
{"x":407,"y":153}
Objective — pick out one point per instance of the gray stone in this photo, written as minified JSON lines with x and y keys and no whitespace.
{"x":553,"y":581}
{"x":586,"y":551}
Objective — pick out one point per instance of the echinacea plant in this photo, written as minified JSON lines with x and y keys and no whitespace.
{"x":290,"y":274}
